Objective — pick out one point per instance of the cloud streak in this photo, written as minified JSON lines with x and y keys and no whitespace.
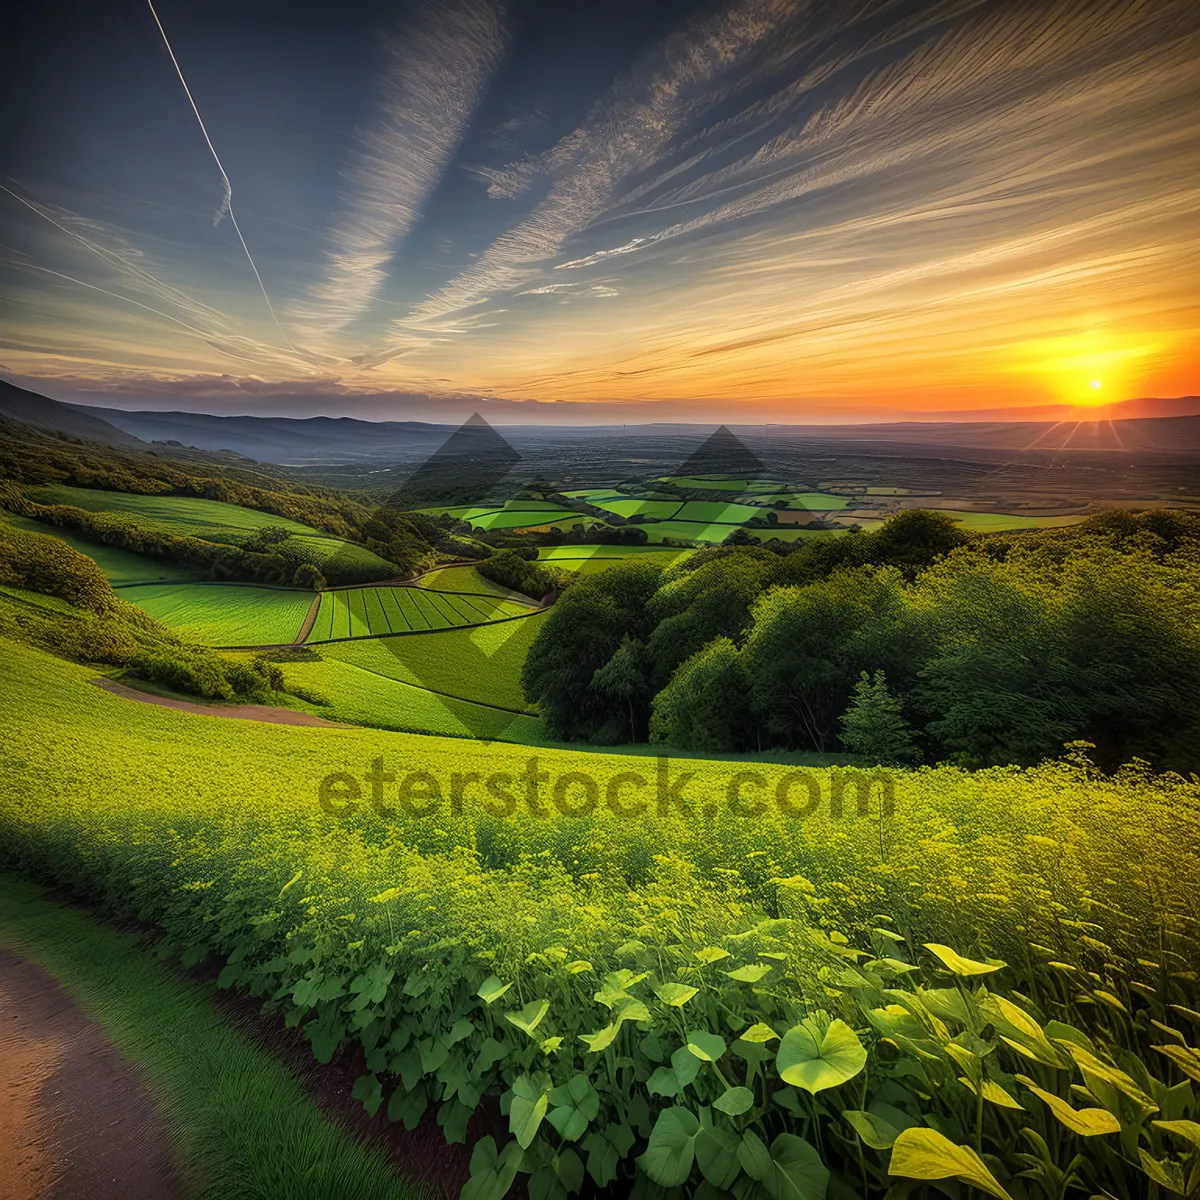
{"x":436,"y":76}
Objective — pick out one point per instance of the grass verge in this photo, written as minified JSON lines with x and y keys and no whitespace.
{"x":240,"y":1124}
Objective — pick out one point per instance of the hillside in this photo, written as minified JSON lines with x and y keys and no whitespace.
{"x":50,"y":416}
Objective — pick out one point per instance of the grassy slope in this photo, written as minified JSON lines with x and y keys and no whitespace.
{"x":464,"y":579}
{"x":482,"y":665}
{"x":239,"y":1122}
{"x":121,"y":566}
{"x":224,"y":614}
{"x":212,"y":520}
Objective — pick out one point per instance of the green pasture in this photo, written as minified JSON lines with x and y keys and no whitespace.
{"x":122,"y":567}
{"x":212,"y":520}
{"x":462,"y":579}
{"x":371,"y":611}
{"x":995,"y":522}
{"x":224,"y":614}
{"x":481,"y":665}
{"x":629,"y":506}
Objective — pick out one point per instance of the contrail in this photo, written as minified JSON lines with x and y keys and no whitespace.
{"x":227,"y":202}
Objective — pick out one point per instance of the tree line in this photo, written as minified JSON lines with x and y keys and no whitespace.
{"x":976,"y":649}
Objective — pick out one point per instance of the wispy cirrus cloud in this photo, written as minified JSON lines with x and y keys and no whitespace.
{"x":625,"y":132}
{"x":436,"y":76}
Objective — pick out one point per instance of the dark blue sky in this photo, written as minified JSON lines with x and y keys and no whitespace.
{"x":853,"y":207}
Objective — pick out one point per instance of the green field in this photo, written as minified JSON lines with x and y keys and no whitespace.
{"x":813,"y":501}
{"x":371,"y":611}
{"x":225,"y":614}
{"x":519,"y":518}
{"x":861,"y":962}
{"x":994,"y":522}
{"x":630,"y":505}
{"x":364,"y":697}
{"x":513,"y":514}
{"x":463,"y":579}
{"x":481,"y":665}
{"x":121,"y":566}
{"x":212,"y":520}
{"x":574,"y":558}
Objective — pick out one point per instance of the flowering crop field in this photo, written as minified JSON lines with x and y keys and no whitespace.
{"x":690,"y":974}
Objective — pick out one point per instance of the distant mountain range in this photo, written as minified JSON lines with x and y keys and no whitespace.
{"x":1153,"y":425}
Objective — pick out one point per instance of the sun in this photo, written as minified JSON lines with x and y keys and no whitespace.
{"x":1095,"y":385}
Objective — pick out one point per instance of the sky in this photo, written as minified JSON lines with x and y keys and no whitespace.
{"x":786,"y":210}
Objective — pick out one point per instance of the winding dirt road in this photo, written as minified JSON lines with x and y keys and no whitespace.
{"x":76,"y":1119}
{"x":244,"y":712}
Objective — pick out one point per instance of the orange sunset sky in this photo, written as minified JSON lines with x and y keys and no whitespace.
{"x":763,"y":210}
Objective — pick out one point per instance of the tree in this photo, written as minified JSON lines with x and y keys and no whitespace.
{"x":806,"y":646}
{"x":624,"y":676}
{"x":705,"y":706}
{"x":577,"y":638}
{"x":309,"y":576}
{"x":873,"y":726}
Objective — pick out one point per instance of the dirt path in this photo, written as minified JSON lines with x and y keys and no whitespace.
{"x":76,"y":1120}
{"x":245,"y":712}
{"x":309,"y":621}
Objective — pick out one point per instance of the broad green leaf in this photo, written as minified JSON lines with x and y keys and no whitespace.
{"x":708,"y":1047}
{"x":576,"y":1105}
{"x":992,"y":1092}
{"x":671,"y":1151}
{"x":685,"y":1065}
{"x":462,"y":1028}
{"x":1164,"y":1172}
{"x":1087,"y":1122}
{"x":1184,"y":1057}
{"x":491,"y":989}
{"x":568,"y":1166}
{"x":927,"y":1154}
{"x":602,"y":1038}
{"x":490,"y":1053}
{"x":367,"y":1089}
{"x":664,"y":1082}
{"x":754,"y":1156}
{"x":529,"y":1104}
{"x":1188,"y":1130}
{"x":819,"y":1053}
{"x":880,"y":1126}
{"x":578,"y":966}
{"x":407,"y":1107}
{"x":716,"y":1156}
{"x":711,"y":954}
{"x":676,"y":995}
{"x":758,"y":1033}
{"x":1094,"y":1068}
{"x":955,"y":962}
{"x":529,"y":1017}
{"x":735,"y":1101}
{"x":797,"y":1172}
{"x":749,"y":974}
{"x":492,"y":1175}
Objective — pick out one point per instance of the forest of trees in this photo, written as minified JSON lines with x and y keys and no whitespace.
{"x":978,"y":649}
